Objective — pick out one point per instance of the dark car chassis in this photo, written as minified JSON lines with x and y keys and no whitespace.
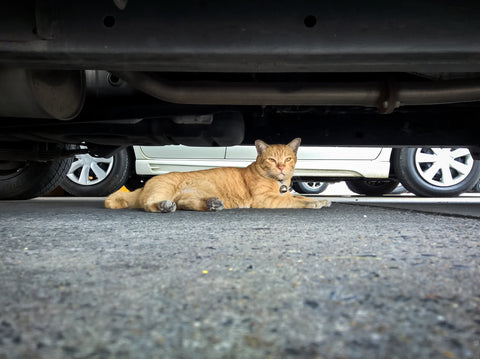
{"x":112,"y":74}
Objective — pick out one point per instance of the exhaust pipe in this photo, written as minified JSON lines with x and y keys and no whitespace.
{"x":385,"y":95}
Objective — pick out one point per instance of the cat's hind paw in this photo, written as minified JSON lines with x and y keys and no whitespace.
{"x":116,"y":203}
{"x":215,"y":204}
{"x":167,"y":206}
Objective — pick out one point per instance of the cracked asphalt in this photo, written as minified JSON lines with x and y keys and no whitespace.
{"x":349,"y":281}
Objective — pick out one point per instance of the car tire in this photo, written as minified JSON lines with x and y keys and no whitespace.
{"x":97,"y":177}
{"x":372,"y":187}
{"x":309,"y":187}
{"x":136,"y":182}
{"x":476,"y":188}
{"x":30,"y":179}
{"x":436,"y":172}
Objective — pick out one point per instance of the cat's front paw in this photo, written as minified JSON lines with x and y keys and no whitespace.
{"x":315,"y":203}
{"x":215,"y":204}
{"x":325,"y":203}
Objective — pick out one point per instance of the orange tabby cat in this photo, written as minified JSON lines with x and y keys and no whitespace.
{"x":263,"y":184}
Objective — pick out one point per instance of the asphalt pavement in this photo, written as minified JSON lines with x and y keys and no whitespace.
{"x":351,"y":281}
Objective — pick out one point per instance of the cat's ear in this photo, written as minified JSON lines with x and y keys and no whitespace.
{"x":261,"y":146}
{"x":295,"y":144}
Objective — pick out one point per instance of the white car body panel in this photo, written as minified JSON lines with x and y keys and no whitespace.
{"x":321,"y":162}
{"x":181,"y":152}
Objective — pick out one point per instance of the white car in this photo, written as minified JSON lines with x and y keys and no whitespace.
{"x":369,"y":171}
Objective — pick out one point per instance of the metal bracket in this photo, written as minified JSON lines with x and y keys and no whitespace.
{"x":389,"y":98}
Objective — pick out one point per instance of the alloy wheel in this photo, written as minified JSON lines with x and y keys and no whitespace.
{"x":313,"y":185}
{"x":443,"y":167}
{"x":87,"y":170}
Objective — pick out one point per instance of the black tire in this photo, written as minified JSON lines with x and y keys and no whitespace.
{"x":412,"y":173}
{"x":309,"y":187}
{"x":476,"y":188}
{"x":136,"y":182}
{"x":372,"y":187}
{"x":115,"y":175}
{"x":29,"y":179}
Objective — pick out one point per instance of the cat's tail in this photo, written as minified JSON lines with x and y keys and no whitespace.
{"x":121,"y":199}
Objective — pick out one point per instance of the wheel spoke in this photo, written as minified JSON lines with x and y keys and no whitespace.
{"x":84,"y":176}
{"x":426,"y":157}
{"x":100,"y":173}
{"x":313,"y":185}
{"x":447,"y":179}
{"x":431,"y":172}
{"x":460,"y":152}
{"x":75,"y":166}
{"x":102,"y":160}
{"x":437,"y":151}
{"x":460,"y":167}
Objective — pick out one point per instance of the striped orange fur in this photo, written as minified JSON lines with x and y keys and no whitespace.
{"x":257,"y":186}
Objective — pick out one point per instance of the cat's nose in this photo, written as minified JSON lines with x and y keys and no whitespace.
{"x":281,"y":167}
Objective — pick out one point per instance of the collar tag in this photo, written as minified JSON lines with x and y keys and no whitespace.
{"x":283,"y":189}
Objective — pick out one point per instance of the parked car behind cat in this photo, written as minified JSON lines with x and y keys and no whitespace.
{"x":366,"y":170}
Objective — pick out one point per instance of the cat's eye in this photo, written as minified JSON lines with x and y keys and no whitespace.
{"x":272,"y":159}
{"x":288,"y":159}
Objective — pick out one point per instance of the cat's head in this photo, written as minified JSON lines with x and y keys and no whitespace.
{"x":277,"y":161}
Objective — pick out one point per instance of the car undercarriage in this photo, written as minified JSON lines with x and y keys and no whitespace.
{"x":115,"y":73}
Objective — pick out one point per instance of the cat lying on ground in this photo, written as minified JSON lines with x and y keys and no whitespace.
{"x":263,"y":184}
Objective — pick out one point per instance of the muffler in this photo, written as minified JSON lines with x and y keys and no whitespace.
{"x":32,"y":93}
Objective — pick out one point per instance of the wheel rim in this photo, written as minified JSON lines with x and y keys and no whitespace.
{"x":313,"y":185}
{"x":443,"y":167}
{"x":87,"y":170}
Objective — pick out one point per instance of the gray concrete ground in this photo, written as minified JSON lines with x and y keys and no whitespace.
{"x":459,"y":206}
{"x":349,"y":281}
